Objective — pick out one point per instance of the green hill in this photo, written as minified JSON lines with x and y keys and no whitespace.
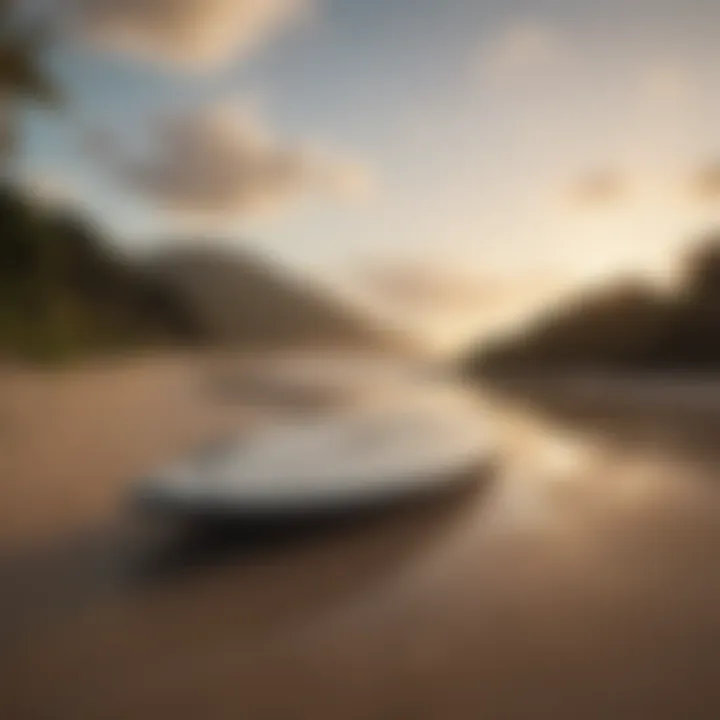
{"x":623,"y":326}
{"x":65,"y":291}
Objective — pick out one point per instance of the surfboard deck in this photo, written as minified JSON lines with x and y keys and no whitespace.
{"x":383,"y":453}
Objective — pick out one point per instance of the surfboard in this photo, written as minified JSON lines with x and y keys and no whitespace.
{"x":362,"y":456}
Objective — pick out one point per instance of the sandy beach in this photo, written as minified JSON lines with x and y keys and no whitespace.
{"x":581,"y":581}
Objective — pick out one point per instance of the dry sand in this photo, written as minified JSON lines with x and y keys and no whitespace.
{"x":70,"y":441}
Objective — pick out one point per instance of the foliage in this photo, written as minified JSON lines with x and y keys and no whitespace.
{"x":22,"y":74}
{"x":65,"y":292}
{"x":625,"y":326}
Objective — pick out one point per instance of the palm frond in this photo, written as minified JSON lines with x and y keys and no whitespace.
{"x":22,"y":75}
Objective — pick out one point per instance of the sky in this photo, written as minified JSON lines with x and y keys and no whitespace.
{"x":496,"y":150}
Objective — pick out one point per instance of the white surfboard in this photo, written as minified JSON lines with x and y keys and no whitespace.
{"x":380,"y":452}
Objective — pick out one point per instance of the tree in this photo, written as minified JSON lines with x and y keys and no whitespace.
{"x":22,"y":76}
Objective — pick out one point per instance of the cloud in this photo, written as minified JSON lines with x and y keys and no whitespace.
{"x":665,"y":82}
{"x":706,"y":182}
{"x":48,"y":188}
{"x":598,"y":188}
{"x":520,"y":51}
{"x":190,"y":33}
{"x":223,"y":161}
{"x":419,"y":285}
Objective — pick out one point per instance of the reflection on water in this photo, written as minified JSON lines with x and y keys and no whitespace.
{"x":581,"y":583}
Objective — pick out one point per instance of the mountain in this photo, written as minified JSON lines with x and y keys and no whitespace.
{"x":66,"y":291}
{"x":240,"y":299}
{"x":624,"y":326}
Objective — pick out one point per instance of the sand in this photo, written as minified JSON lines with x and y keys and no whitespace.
{"x":72,"y":441}
{"x":579,"y":582}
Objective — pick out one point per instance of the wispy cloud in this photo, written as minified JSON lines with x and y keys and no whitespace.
{"x":519,"y":51}
{"x":224,"y":161}
{"x":598,"y":188}
{"x":187,"y":33}
{"x":424,"y":285}
{"x":705,"y":184}
{"x":665,"y":81}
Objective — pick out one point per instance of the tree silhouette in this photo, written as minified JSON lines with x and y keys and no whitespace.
{"x":623,"y":326}
{"x":22,"y":76}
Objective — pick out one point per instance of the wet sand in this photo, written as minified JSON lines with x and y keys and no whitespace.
{"x":580,"y":582}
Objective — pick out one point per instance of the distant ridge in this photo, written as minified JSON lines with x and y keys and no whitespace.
{"x":239,"y":298}
{"x":627,"y":325}
{"x":65,"y":291}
